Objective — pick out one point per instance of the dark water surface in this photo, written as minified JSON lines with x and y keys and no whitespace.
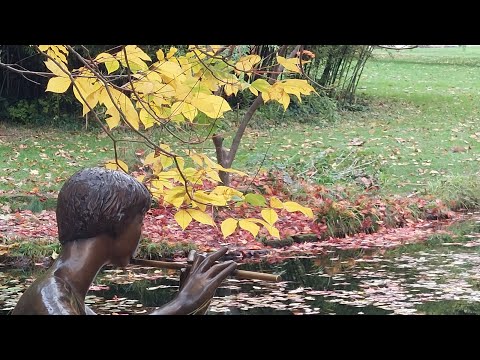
{"x":443,"y":280}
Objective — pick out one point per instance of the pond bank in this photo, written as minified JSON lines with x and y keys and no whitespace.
{"x":29,"y":239}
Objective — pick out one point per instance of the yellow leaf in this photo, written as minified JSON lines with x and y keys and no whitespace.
{"x":291,"y":206}
{"x":114,"y":118}
{"x":285,"y":100}
{"x":136,"y":52}
{"x":257,"y":221}
{"x":166,"y":91}
{"x":228,"y":191}
{"x":293,"y":85}
{"x":201,"y":196}
{"x":265,"y":96}
{"x":213,"y":175}
{"x":249,"y":226}
{"x":57,"y":70}
{"x":211,"y":105}
{"x":202,"y":207}
{"x":166,"y":161}
{"x":177,"y":108}
{"x":121,"y":101}
{"x":273,"y":231}
{"x":215,"y":48}
{"x":270,"y":216}
{"x":118,"y":165}
{"x":91,"y":102}
{"x":291,"y":64}
{"x":131,"y":115}
{"x":189,"y":111}
{"x":220,"y":167}
{"x":58,"y":84}
{"x":201,"y":216}
{"x":253,"y":90}
{"x":171,"y":52}
{"x":229,"y":90}
{"x":111,"y":63}
{"x":83,"y":87}
{"x":175,"y":196}
{"x":246,"y":63}
{"x":160,"y":55}
{"x":145,"y":87}
{"x":58,"y":54}
{"x":183,"y":218}
{"x":197,"y":159}
{"x":275,"y":203}
{"x":149,"y":159}
{"x":169,"y":69}
{"x":177,"y":118}
{"x":228,"y":227}
{"x":102,"y":57}
{"x":146,"y":119}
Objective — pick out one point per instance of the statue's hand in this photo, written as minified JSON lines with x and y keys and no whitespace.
{"x":199,"y":282}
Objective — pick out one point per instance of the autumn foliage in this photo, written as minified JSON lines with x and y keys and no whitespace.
{"x":133,"y":89}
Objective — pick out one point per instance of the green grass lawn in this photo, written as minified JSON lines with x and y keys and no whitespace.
{"x":420,"y":128}
{"x":44,"y":159}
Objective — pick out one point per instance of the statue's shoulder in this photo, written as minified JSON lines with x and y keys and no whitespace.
{"x":49,"y":295}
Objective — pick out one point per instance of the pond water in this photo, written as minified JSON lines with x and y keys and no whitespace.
{"x":441,"y":280}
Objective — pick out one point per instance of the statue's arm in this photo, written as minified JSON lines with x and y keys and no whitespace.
{"x":199,"y":285}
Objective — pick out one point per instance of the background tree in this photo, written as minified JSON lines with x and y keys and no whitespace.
{"x":181,"y":89}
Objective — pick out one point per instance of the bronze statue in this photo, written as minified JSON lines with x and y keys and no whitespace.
{"x":100,"y":217}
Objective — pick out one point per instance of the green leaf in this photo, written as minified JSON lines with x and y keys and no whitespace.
{"x":261,"y":85}
{"x":112,"y":65}
{"x":255,"y":199}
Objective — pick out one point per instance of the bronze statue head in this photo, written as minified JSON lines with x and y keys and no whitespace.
{"x":98,"y":201}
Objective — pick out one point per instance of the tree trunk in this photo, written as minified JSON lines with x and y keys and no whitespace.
{"x":225,"y":157}
{"x":222,"y":158}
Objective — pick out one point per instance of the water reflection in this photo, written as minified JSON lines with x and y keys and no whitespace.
{"x":435,"y":281}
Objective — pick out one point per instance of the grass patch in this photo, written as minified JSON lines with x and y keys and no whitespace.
{"x":459,"y":192}
{"x":30,"y":252}
{"x":464,"y":227}
{"x":39,"y":161}
{"x":163,"y":249}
